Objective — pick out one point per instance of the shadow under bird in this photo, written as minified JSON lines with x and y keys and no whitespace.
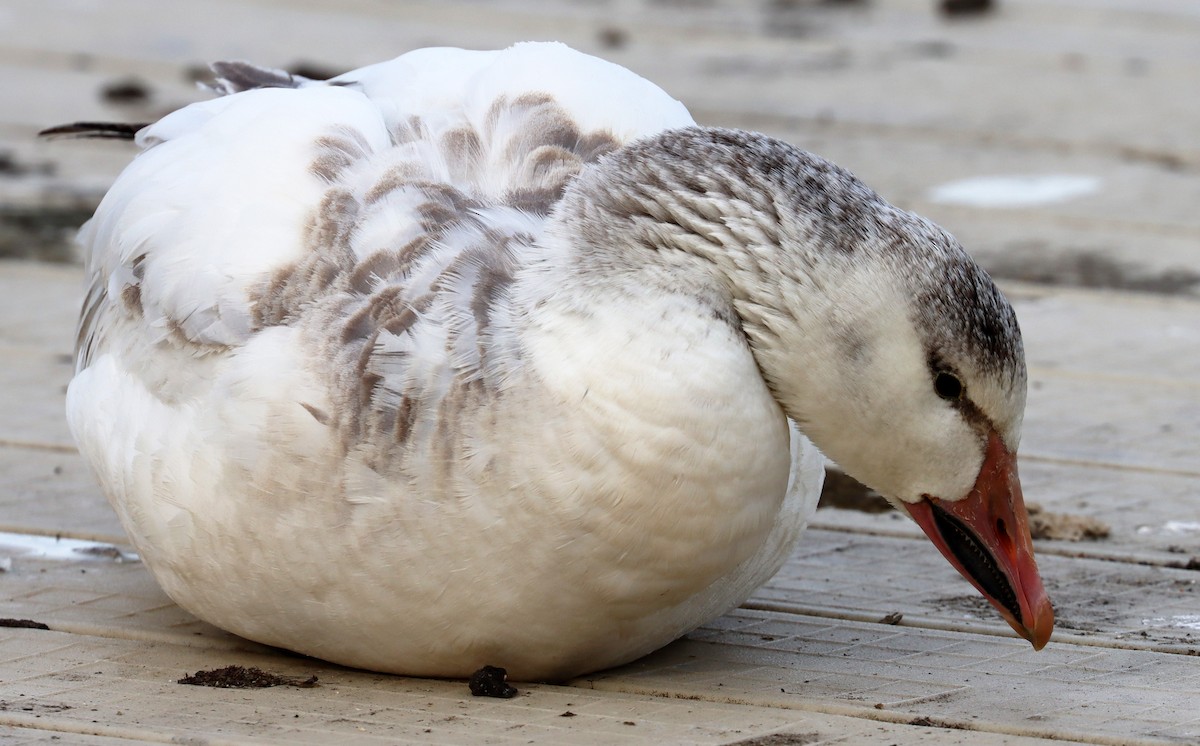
{"x":479,"y":358}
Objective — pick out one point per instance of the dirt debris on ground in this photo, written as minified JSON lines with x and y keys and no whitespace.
{"x":781,"y":739}
{"x":1044,"y":524}
{"x":126,"y":92}
{"x":22,"y":624}
{"x":240,"y":677}
{"x":491,"y":681}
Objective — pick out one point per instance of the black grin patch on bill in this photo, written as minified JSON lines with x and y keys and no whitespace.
{"x":978,"y":562}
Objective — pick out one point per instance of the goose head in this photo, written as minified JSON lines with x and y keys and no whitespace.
{"x":877,"y":334}
{"x":920,"y":394}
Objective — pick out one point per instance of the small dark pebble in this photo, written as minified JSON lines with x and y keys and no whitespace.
{"x":612,"y":37}
{"x":11,"y":166}
{"x":965,"y":7}
{"x":567,"y":714}
{"x":491,"y":681}
{"x":239,"y":677}
{"x":126,"y":91}
{"x":22,"y":624}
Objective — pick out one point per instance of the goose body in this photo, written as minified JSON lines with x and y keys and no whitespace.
{"x":479,"y":358}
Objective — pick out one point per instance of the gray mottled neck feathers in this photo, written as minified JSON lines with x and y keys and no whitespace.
{"x":765,"y":214}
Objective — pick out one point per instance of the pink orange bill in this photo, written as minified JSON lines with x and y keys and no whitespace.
{"x":986,"y":537}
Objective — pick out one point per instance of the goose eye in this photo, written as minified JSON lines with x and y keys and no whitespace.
{"x":948,"y":386}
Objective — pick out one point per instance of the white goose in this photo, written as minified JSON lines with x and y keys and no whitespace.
{"x":496,"y":358}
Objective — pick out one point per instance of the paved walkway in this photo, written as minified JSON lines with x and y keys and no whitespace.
{"x":1100,"y":95}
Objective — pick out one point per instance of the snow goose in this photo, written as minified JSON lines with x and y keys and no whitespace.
{"x":497,"y":358}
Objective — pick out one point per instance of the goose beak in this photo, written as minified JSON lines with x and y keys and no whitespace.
{"x":986,"y":537}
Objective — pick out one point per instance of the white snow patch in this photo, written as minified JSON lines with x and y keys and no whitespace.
{"x":1172,"y":528}
{"x":53,"y":548}
{"x":1185,"y":621}
{"x":1014,"y":191}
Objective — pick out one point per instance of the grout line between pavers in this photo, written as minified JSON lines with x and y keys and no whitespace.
{"x":766,"y":119}
{"x":1027,"y":290}
{"x":918,"y":621}
{"x":1072,"y":552}
{"x":1076,"y":374}
{"x":1090,"y":464}
{"x":38,"y":445}
{"x":870,"y":713}
{"x":12,"y":528}
{"x":134,"y":634}
{"x":56,"y":725}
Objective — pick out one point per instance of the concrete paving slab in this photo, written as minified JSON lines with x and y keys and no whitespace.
{"x":120,"y":689}
{"x":45,"y":376}
{"x":1113,"y":379}
{"x":837,"y":574}
{"x":1119,"y":335}
{"x":15,"y":736}
{"x":1113,"y":422}
{"x":50,"y":491}
{"x":38,"y":306}
{"x":957,"y":679}
{"x":104,"y":597}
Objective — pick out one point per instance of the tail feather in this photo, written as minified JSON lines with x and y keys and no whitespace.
{"x":231,"y":77}
{"x":235,"y":77}
{"x":95,"y":130}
